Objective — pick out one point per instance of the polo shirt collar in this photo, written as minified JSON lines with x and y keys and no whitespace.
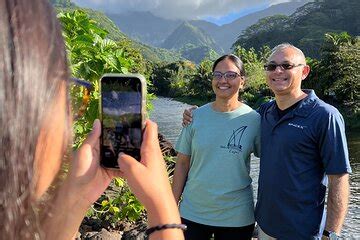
{"x":305,"y":106}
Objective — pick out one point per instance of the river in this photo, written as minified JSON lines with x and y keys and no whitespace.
{"x":168,"y":114}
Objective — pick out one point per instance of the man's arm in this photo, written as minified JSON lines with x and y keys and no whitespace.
{"x":180,"y":175}
{"x":337,"y":202}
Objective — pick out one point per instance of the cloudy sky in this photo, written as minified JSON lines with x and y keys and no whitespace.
{"x":218,"y":11}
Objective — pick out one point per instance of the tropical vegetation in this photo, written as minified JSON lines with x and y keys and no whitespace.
{"x":91,"y":54}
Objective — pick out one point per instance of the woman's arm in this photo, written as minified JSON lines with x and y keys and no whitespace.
{"x":86,"y":181}
{"x":180,"y":175}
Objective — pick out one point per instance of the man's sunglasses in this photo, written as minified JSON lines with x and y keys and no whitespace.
{"x":80,"y":96}
{"x":227,"y":75}
{"x":284,"y":66}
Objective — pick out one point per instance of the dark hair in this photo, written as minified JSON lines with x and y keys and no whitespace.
{"x":33,"y":68}
{"x":235,"y":59}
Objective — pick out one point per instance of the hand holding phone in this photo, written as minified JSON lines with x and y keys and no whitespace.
{"x":122,"y":113}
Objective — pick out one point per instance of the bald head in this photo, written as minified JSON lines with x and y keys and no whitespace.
{"x":297,"y":53}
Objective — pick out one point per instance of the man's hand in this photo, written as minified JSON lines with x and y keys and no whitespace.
{"x":187,"y":116}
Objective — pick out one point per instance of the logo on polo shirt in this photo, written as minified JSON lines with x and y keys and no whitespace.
{"x":234,"y":143}
{"x":296,"y":125}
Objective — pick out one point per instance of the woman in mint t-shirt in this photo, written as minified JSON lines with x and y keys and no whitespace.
{"x":213,"y":162}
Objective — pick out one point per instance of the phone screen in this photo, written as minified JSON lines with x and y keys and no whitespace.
{"x":121,"y":99}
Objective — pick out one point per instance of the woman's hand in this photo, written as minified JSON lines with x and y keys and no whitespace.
{"x":84,"y":184}
{"x":86,"y":177}
{"x":149,"y":182}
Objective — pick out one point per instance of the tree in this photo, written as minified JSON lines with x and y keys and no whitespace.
{"x":200,"y":84}
{"x":338,"y":70}
{"x":172,"y":79}
{"x":256,"y":89}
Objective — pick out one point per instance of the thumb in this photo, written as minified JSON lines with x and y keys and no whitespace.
{"x":128,"y":165}
{"x":94,"y":135}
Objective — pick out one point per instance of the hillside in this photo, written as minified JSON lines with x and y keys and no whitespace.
{"x":229,"y":32}
{"x":150,"y":53}
{"x":189,"y":34}
{"x":145,"y":27}
{"x":306,"y":27}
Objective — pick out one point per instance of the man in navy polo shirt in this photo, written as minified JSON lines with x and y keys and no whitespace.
{"x":302,"y":141}
{"x":303,"y":149}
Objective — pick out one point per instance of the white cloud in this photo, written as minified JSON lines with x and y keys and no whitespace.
{"x":177,"y":9}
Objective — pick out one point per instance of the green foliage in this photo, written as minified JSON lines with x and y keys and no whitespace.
{"x":339,"y":69}
{"x":255,"y":86}
{"x":172,"y":79}
{"x":92,"y":54}
{"x":115,"y":207}
{"x":105,"y":23}
{"x":200,"y":85}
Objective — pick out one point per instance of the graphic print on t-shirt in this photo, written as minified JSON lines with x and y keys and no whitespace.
{"x":234,"y":142}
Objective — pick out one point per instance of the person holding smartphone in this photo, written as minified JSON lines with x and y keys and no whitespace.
{"x":213,"y":162}
{"x":36,"y":124}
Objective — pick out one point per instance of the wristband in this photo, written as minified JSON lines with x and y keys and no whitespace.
{"x":165,"y":226}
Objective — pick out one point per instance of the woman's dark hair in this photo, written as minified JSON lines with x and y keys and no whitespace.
{"x":33,"y":68}
{"x":235,"y":59}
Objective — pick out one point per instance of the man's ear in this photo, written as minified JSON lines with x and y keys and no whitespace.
{"x":305,"y":72}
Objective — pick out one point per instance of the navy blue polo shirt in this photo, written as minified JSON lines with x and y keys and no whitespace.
{"x":297,"y":151}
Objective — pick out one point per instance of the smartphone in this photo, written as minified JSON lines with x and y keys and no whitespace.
{"x":122,"y":115}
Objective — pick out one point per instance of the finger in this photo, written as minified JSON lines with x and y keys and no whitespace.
{"x":185,"y":122}
{"x":193,"y":108}
{"x":150,"y":137}
{"x":93,"y":137}
{"x":150,"y":148}
{"x":128,"y":165}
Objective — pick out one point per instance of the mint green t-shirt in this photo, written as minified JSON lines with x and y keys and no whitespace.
{"x":218,"y":189}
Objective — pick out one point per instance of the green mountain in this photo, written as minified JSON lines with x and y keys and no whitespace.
{"x":193,"y":42}
{"x":189,"y":34}
{"x":144,"y":26}
{"x":150,"y":53}
{"x":306,"y":27}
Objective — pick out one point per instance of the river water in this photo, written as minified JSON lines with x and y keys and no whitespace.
{"x":168,"y":114}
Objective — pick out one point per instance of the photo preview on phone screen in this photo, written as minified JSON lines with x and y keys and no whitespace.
{"x":121,"y":118}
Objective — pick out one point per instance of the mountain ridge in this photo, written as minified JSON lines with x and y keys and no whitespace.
{"x":153,"y":30}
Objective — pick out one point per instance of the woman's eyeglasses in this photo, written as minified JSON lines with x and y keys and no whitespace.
{"x":80,"y":96}
{"x":227,"y":75}
{"x":284,"y":66}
